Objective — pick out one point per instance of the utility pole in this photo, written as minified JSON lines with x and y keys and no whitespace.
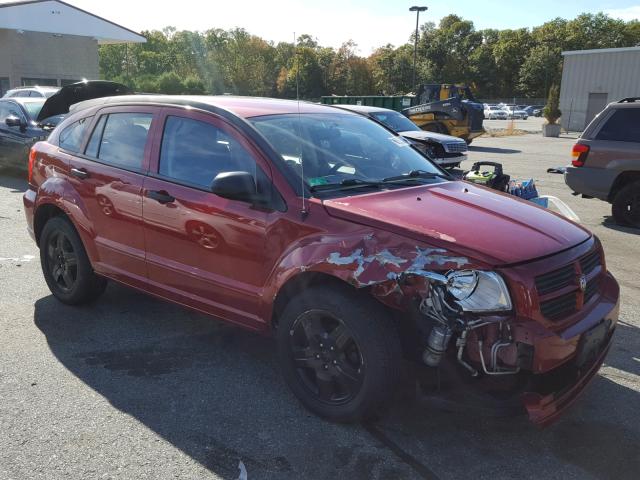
{"x":415,"y":40}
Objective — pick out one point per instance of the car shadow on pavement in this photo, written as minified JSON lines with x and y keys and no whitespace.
{"x":214,"y":392}
{"x":610,"y":223}
{"x":477,"y":148}
{"x":15,"y":181}
{"x":211,"y":390}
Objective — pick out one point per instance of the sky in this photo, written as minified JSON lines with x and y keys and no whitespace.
{"x":370,"y":23}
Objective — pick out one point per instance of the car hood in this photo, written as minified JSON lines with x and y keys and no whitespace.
{"x":421,"y":136}
{"x":60,"y":102}
{"x":495,"y":228}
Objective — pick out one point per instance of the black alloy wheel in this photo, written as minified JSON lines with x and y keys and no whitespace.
{"x":62,"y":261}
{"x":327,"y":357}
{"x":65,"y":264}
{"x":339,"y":352}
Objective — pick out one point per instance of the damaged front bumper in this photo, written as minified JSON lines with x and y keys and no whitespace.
{"x":558,"y":369}
{"x":557,"y":389}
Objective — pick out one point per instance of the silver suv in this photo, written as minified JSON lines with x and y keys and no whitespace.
{"x":38,"y":92}
{"x":606,"y":161}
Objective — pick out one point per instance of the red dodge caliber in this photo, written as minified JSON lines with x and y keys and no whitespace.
{"x":333,"y":234}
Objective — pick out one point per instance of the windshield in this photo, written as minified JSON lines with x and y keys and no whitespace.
{"x":33,"y":107}
{"x":341,"y":148}
{"x":395,"y":121}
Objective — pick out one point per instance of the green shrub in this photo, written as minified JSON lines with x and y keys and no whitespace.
{"x":194,"y":86}
{"x":170,"y":83}
{"x":552,"y":110}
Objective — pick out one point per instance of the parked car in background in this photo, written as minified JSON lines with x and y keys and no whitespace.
{"x":493,"y":112}
{"x":606,"y":161}
{"x":25,"y":120}
{"x":328,"y":231}
{"x":515,"y":112}
{"x":531,"y":110}
{"x":445,"y":150}
{"x":19,"y":130}
{"x":31,"y":92}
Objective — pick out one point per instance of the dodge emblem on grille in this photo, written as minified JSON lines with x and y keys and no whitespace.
{"x":582,"y":282}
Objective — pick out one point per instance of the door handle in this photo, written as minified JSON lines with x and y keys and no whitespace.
{"x":80,"y":173}
{"x":160,"y":196}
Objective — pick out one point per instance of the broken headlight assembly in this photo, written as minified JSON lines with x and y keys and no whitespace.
{"x":478,"y":291}
{"x":451,"y":296}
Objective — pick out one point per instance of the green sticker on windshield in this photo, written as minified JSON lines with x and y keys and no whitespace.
{"x":313,"y":181}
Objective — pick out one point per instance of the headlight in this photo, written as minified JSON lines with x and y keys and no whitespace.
{"x":478,"y":291}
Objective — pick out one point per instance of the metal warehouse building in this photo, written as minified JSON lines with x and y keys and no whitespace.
{"x":49,"y":42}
{"x":593,"y":78}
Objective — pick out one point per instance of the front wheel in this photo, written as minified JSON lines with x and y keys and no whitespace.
{"x":339,"y":353}
{"x":65,"y":265}
{"x":626,"y":205}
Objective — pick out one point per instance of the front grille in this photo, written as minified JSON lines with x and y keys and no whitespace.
{"x":457,"y":147}
{"x":559,"y":307}
{"x":564,"y":304}
{"x":592,"y":289}
{"x":552,"y":281}
{"x":590,"y":261}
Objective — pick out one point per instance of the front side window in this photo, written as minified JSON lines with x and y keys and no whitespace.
{"x":120,"y":138}
{"x":334,"y":148}
{"x":622,"y":126}
{"x":194,"y":152}
{"x":9,"y":109}
{"x":395,"y":121}
{"x":33,"y":107}
{"x":71,"y":137}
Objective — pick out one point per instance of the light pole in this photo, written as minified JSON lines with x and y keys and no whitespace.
{"x":415,"y":41}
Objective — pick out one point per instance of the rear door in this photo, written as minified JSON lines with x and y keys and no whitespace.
{"x":109,"y":175}
{"x":203,"y":250}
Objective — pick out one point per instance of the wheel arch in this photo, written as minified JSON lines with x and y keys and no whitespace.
{"x":43,"y":214}
{"x":623,"y":179}
{"x":297,"y":284}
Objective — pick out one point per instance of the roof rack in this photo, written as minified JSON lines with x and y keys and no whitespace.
{"x":630,"y":100}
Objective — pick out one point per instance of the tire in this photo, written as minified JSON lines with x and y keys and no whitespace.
{"x":348,"y":353}
{"x":626,"y":205}
{"x":65,"y":265}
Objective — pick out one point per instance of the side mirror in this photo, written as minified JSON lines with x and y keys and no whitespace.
{"x":235,"y":186}
{"x":13,"y":121}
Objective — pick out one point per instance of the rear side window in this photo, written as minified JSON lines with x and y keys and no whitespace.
{"x":194,"y":152}
{"x":119,"y":139}
{"x":622,"y":126}
{"x":71,"y":137}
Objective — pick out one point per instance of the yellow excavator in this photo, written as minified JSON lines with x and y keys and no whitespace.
{"x":447,"y":108}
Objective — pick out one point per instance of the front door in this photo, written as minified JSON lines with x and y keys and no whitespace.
{"x":109,"y":176}
{"x":204,"y":250}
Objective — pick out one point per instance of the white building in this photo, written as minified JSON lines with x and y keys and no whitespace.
{"x":49,"y":42}
{"x":593,"y":78}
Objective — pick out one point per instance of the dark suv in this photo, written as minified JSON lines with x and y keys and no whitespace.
{"x":606,"y":161}
{"x":323,"y":228}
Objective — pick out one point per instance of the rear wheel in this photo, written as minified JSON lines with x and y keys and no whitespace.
{"x":339,"y":353}
{"x":626,"y":205}
{"x":65,"y":264}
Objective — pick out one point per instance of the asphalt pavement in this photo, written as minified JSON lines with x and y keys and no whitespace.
{"x":135,"y":388}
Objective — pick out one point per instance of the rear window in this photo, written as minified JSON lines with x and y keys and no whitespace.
{"x":622,"y":126}
{"x":71,"y":137}
{"x":120,"y":138}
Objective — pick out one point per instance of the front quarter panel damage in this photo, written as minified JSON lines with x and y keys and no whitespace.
{"x":391,"y":266}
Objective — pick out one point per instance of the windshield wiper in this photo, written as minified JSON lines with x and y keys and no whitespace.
{"x":415,"y":175}
{"x":346,"y":184}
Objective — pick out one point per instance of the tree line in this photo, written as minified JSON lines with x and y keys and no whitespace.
{"x":498,"y":63}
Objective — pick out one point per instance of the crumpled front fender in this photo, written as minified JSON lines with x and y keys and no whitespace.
{"x":390,"y":265}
